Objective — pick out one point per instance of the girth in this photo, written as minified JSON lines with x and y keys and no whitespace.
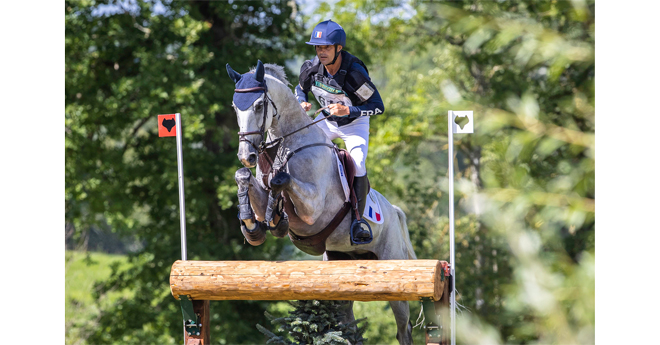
{"x":315,"y":244}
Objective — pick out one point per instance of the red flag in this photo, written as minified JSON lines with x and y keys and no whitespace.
{"x":167,"y":125}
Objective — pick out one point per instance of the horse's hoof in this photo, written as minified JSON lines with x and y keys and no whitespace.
{"x":280,"y":181}
{"x":282,"y":228}
{"x":255,"y":236}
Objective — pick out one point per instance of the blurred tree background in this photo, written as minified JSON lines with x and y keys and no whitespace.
{"x":524,"y":180}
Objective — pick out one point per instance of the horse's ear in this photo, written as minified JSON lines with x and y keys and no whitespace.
{"x":235,"y":76}
{"x":260,"y":71}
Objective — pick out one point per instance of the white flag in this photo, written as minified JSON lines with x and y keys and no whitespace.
{"x":463,"y":122}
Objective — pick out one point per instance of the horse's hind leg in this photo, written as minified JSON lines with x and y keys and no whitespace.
{"x":401,"y":312}
{"x":348,"y":314}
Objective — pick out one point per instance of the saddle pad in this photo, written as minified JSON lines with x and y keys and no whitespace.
{"x":372,"y":210}
{"x":342,"y":178}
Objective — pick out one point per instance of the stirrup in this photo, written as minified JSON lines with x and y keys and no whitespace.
{"x":357,"y":224}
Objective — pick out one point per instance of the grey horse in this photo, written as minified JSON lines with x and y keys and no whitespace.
{"x":310,"y":178}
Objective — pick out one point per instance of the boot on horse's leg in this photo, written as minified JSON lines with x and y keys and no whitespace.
{"x":360,"y":229}
{"x":253,"y":230}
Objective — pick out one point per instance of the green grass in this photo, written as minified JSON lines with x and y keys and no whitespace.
{"x":83,"y":271}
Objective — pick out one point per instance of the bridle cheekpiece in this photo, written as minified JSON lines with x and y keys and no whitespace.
{"x":262,"y":129}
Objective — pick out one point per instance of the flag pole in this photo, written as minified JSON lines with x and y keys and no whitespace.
{"x":182,"y":199}
{"x":452,"y":262}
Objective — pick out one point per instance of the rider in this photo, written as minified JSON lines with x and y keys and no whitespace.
{"x":340,"y":82}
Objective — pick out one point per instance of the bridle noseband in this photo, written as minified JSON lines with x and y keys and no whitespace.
{"x":262,"y":130}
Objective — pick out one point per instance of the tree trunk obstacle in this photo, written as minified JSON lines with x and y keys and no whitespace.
{"x":354,"y":280}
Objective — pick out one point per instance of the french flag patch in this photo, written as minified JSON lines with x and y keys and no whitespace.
{"x":318,"y":34}
{"x":372,"y":211}
{"x":374,"y":214}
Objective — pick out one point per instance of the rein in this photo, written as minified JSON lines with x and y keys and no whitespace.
{"x":278,"y":140}
{"x":263,"y":145}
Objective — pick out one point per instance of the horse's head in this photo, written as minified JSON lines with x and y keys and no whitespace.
{"x":254,"y":111}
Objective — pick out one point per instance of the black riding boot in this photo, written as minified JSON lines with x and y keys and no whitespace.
{"x":361,"y":187}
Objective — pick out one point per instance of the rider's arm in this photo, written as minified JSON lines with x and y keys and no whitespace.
{"x":300,"y":94}
{"x":374,"y":103}
{"x":303,"y":87}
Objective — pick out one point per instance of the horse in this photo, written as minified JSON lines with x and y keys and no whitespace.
{"x":308,"y":179}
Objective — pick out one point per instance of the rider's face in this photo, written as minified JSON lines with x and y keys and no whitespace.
{"x":326,"y":53}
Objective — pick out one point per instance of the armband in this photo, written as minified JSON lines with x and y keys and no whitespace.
{"x":360,"y":85}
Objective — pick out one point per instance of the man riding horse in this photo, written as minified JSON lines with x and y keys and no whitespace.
{"x":340,"y":83}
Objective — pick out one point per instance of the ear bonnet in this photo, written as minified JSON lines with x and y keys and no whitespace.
{"x":251,"y":86}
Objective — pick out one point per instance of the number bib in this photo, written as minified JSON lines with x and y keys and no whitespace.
{"x":327,"y":94}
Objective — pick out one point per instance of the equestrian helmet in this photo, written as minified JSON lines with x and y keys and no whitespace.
{"x":327,"y":33}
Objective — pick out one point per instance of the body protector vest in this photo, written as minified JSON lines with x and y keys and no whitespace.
{"x":348,"y":87}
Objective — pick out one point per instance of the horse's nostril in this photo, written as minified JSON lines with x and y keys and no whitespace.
{"x":252,"y":158}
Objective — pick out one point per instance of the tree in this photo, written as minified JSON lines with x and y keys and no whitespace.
{"x":315,"y":322}
{"x":127,"y":62}
{"x":525,"y":187}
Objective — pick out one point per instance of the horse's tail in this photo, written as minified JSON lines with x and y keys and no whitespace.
{"x":404,"y":233}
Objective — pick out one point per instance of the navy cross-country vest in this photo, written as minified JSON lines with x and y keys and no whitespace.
{"x":348,"y":87}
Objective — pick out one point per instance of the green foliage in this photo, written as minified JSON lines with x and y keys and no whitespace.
{"x":525,"y":232}
{"x":123,"y":68}
{"x":83,"y":270}
{"x":315,"y":322}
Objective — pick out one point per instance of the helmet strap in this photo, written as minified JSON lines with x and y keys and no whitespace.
{"x":336,"y":55}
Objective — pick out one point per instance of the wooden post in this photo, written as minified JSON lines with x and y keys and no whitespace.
{"x":442,"y":309}
{"x":203,"y":311}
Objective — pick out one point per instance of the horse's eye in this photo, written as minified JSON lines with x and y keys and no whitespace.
{"x":258,"y":106}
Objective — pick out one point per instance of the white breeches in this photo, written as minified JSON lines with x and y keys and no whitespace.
{"x":355,"y":136}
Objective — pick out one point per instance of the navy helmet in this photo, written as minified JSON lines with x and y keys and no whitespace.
{"x":327,"y":33}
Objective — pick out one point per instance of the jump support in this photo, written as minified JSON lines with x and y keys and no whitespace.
{"x":356,"y":280}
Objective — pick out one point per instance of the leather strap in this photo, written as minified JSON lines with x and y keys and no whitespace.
{"x":325,"y":233}
{"x":251,"y":89}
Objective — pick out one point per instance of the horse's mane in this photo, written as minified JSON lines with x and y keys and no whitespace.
{"x":275,"y":71}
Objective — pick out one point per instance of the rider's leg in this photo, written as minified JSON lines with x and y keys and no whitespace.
{"x":361,"y":187}
{"x":356,"y":138}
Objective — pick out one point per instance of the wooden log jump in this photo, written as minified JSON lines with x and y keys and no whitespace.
{"x":355,"y":280}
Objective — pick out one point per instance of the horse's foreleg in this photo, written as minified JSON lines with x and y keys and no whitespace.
{"x":251,"y":199}
{"x":308,"y":199}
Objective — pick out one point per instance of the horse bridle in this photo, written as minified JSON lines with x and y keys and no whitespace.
{"x":262,"y":130}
